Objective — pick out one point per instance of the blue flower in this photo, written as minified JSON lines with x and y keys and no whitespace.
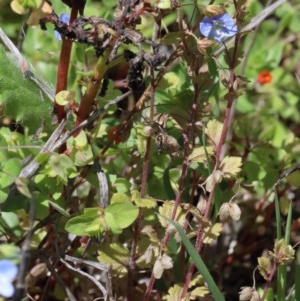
{"x":8,"y":271}
{"x":218,"y":28}
{"x":65,"y":18}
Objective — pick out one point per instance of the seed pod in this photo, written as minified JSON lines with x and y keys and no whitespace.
{"x":230,"y":210}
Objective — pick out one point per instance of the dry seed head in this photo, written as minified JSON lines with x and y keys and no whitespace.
{"x":230,"y":211}
{"x":249,"y":293}
{"x":213,"y":179}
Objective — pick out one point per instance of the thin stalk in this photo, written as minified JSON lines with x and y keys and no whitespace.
{"x":229,"y":107}
{"x":182,"y":181}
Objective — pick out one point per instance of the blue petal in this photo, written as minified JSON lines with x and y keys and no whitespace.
{"x":206,"y":26}
{"x":8,"y":270}
{"x":65,"y":18}
{"x":6,"y":289}
{"x":218,"y":35}
{"x":218,"y":28}
{"x":57,"y":35}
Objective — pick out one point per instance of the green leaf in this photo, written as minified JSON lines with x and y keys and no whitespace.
{"x":164,"y":4}
{"x":119,"y":198}
{"x":170,"y":82}
{"x":63,"y":97}
{"x":22,"y":186}
{"x":120,"y":215}
{"x":59,"y":208}
{"x":89,"y":223}
{"x":198,"y":261}
{"x":60,"y":165}
{"x":3,"y":195}
{"x":10,"y":252}
{"x":9,"y":170}
{"x":146,"y":202}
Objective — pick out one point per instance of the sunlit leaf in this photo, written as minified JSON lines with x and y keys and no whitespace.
{"x":63,"y":97}
{"x":119,"y":197}
{"x":18,"y":8}
{"x":9,"y":251}
{"x":231,"y":166}
{"x":199,"y":154}
{"x":169,"y":81}
{"x":89,"y":223}
{"x":116,"y":256}
{"x":200,"y":291}
{"x":174,"y":293}
{"x":166,"y":210}
{"x":212,"y":233}
{"x":120,"y":215}
{"x":146,"y":202}
{"x":213,"y":130}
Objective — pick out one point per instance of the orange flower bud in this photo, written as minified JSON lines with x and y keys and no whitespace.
{"x":264,"y":77}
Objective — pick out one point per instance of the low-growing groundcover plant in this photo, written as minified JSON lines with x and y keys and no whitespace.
{"x":164,"y":163}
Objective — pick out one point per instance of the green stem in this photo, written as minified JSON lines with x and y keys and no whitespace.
{"x":92,"y":89}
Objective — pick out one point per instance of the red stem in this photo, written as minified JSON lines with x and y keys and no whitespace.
{"x":199,"y":240}
{"x":269,"y":281}
{"x":63,"y":68}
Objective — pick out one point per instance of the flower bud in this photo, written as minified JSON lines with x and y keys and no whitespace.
{"x":264,"y":266}
{"x":283,"y":253}
{"x":203,"y":44}
{"x":214,"y":10}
